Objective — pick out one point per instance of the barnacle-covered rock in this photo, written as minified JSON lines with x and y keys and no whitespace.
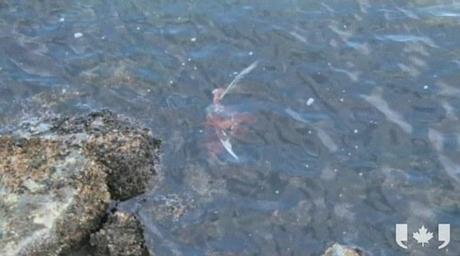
{"x":121,"y":235}
{"x":57,"y":178}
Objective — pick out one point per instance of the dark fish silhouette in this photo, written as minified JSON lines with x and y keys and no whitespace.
{"x":30,"y":61}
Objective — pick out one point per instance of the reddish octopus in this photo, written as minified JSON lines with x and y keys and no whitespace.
{"x":223,"y":124}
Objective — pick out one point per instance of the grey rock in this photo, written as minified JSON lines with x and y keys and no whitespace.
{"x":341,"y":250}
{"x":57,"y":178}
{"x":121,"y":235}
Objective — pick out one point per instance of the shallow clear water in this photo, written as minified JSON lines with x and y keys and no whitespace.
{"x":377,"y":144}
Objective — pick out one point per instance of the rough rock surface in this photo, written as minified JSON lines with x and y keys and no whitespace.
{"x":341,"y":250}
{"x":57,"y":178}
{"x":121,"y":235}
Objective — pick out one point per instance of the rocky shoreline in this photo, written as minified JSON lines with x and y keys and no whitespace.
{"x":58,"y":177}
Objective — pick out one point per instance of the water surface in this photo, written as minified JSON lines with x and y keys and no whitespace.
{"x":356,"y":107}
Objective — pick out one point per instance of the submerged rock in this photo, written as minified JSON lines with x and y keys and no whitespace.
{"x":341,"y":250}
{"x":121,"y":235}
{"x":58,"y":177}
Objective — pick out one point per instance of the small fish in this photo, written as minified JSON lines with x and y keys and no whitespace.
{"x":29,"y":59}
